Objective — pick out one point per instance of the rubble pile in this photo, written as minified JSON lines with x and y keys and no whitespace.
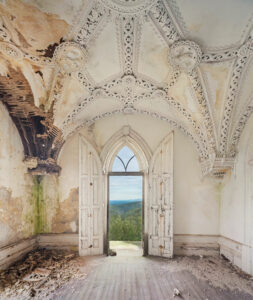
{"x":39,"y":274}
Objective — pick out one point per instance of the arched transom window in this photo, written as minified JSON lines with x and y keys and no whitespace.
{"x":125,"y":161}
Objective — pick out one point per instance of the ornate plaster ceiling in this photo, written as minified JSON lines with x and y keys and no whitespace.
{"x":188,"y":63}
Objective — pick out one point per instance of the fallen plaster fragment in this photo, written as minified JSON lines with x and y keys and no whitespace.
{"x":176,"y":292}
{"x":40,"y":274}
{"x":37,"y":275}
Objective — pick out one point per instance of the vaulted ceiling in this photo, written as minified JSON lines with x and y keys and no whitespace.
{"x":188,"y":63}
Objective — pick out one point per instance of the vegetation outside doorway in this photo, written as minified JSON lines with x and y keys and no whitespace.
{"x":125,"y":204}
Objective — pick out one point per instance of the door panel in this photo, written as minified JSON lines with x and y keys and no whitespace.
{"x":90,"y":201}
{"x":161,"y":200}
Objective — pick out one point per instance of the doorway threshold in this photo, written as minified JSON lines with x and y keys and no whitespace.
{"x":127,"y":248}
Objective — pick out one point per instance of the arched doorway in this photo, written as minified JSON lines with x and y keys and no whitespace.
{"x":156,"y":170}
{"x":125,"y":204}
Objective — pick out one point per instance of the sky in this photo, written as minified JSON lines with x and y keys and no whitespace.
{"x":125,"y":154}
{"x":125,"y":187}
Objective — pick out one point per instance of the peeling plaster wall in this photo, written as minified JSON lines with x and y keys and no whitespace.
{"x":59,"y":205}
{"x":196,"y":200}
{"x":17,"y":218}
{"x":236,"y":224}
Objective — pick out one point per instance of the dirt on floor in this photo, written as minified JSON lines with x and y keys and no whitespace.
{"x":41,"y":273}
{"x":48,"y":274}
{"x":217,"y":271}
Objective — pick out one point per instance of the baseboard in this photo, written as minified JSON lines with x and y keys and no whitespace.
{"x":58,"y":241}
{"x":14,"y":252}
{"x":205,"y":245}
{"x":238,"y":253}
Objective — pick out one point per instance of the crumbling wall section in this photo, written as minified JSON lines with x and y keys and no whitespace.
{"x":17,"y":219}
{"x":57,"y":209}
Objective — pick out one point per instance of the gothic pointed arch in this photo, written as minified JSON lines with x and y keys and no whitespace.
{"x":126,"y":137}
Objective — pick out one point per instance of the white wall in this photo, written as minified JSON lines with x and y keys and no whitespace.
{"x":236,"y":223}
{"x":16,"y":202}
{"x":196,"y":199}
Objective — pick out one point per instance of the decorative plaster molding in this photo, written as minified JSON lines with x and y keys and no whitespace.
{"x":184,"y":56}
{"x":11,"y":51}
{"x":217,"y":166}
{"x":131,"y":7}
{"x":245,"y":115}
{"x":161,"y":18}
{"x":126,"y":137}
{"x":72,"y":128}
{"x":210,"y":57}
{"x":204,"y":109}
{"x":232,"y":93}
{"x":88,"y":23}
{"x":69,"y":57}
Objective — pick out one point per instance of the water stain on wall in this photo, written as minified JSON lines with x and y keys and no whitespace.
{"x":14,"y":224}
{"x":66,"y":218}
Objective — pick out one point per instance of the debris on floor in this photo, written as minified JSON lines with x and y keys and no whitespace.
{"x":39,"y":274}
{"x":112,"y":252}
{"x":176,"y":292}
{"x":217,"y":271}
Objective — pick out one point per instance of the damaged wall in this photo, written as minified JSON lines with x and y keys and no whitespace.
{"x":237,"y":206}
{"x":196,"y":201}
{"x":17,"y":218}
{"x":58,"y":205}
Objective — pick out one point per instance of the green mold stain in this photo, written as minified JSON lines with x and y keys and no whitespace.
{"x":39,"y":205}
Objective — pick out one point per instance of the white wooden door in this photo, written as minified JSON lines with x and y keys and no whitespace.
{"x":90,"y":200}
{"x":160,"y":206}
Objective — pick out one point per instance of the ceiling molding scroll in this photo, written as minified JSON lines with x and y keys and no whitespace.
{"x":178,"y":18}
{"x":10,"y":51}
{"x":204,"y":109}
{"x":130,"y":7}
{"x":68,"y":58}
{"x":88,"y":23}
{"x":240,"y":125}
{"x":71,"y":128}
{"x":243,"y":56}
{"x":165,"y":25}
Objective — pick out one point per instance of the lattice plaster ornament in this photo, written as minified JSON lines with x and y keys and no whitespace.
{"x":70,"y":57}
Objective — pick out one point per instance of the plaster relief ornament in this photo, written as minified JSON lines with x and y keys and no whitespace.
{"x":246,"y":49}
{"x":128,"y":6}
{"x":70,"y":57}
{"x":184,"y":56}
{"x":11,"y":51}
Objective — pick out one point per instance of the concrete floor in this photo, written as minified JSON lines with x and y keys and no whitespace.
{"x":131,"y":276}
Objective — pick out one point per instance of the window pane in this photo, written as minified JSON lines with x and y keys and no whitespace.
{"x":133,"y":165}
{"x":125,"y":154}
{"x":125,"y":161}
{"x":118,"y":165}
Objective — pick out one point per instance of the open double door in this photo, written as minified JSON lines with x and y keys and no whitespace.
{"x":158,"y":201}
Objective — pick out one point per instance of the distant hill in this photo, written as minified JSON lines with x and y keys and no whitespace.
{"x":125,"y":222}
{"x":119,"y":202}
{"x":125,"y":209}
